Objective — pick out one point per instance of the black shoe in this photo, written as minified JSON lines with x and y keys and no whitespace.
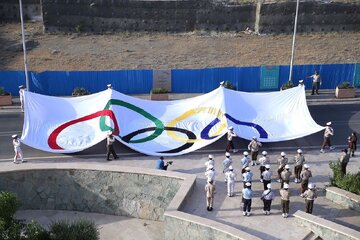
{"x":211,"y":209}
{"x":353,"y":155}
{"x":207,"y":208}
{"x":108,"y":159}
{"x":116,"y":158}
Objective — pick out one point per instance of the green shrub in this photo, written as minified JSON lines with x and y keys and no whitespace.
{"x":349,"y":182}
{"x":159,"y":90}
{"x":80,"y":91}
{"x":229,"y":85}
{"x":287,"y":85}
{"x":80,"y":230}
{"x":3,"y":92}
{"x":345,"y":85}
{"x":34,"y":231}
{"x":9,"y":204}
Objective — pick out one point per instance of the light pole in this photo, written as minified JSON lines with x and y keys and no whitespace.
{"x":293,"y":41}
{"x":24,"y":46}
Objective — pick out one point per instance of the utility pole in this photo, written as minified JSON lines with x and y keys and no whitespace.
{"x":24,"y":46}
{"x":293,"y":41}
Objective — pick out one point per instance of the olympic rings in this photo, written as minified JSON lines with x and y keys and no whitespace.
{"x":187,"y":145}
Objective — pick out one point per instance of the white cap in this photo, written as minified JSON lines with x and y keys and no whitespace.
{"x":109,"y":85}
{"x":222,"y":83}
{"x":286,"y":185}
{"x":287,"y":166}
{"x":328,"y":123}
{"x":231,"y":128}
{"x":211,"y":156}
{"x":14,"y":136}
{"x":306,"y":166}
{"x":21,"y":86}
{"x":247,"y":169}
{"x":227,"y":154}
{"x":311,"y":186}
{"x":283,"y":154}
{"x":301,"y":81}
{"x":109,"y":133}
{"x":231,"y":167}
{"x":248,"y":184}
{"x":254,"y":138}
{"x":299,"y":151}
{"x":267,"y":166}
{"x":264,"y":153}
{"x":268,"y":185}
{"x":245,"y":153}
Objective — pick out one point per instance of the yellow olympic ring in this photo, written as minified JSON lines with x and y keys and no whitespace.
{"x":210,"y":110}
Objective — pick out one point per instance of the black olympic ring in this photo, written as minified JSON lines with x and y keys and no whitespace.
{"x":189,"y":134}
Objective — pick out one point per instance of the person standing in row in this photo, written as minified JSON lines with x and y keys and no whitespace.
{"x":21,"y":96}
{"x":110,"y":146}
{"x":299,"y":161}
{"x":267,"y":197}
{"x":247,"y":176}
{"x":17,"y":149}
{"x":305,"y":176}
{"x":285,"y":175}
{"x":329,"y":131}
{"x":266,"y":176}
{"x":210,"y":161}
{"x":285,"y":200}
{"x":230,"y":136}
{"x":227,"y":163}
{"x":264,"y":160}
{"x":344,"y":160}
{"x":352,"y":142}
{"x":230,"y":180}
{"x":283,"y":160}
{"x":245,"y":161}
{"x":210,"y":193}
{"x":253,"y":147}
{"x":247,"y":195}
{"x":309,"y":196}
{"x":210,"y":173}
{"x":316,"y":82}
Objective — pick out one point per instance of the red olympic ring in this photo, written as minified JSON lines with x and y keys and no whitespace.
{"x":53,"y":136}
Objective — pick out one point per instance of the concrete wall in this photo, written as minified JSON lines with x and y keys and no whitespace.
{"x":9,"y":10}
{"x":344,"y":198}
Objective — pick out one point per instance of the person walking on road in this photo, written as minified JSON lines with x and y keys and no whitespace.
{"x":230,"y":136}
{"x":352,"y":142}
{"x":17,"y":149}
{"x":285,"y":200}
{"x":230,"y":180}
{"x":316,"y":82}
{"x":266,"y":176}
{"x":309,"y":196}
{"x":253,"y":147}
{"x":245,"y":161}
{"x":305,"y":176}
{"x":227,"y":163}
{"x":110,"y":146}
{"x":329,"y":131}
{"x":344,"y":160}
{"x":210,"y":174}
{"x":283,"y":160}
{"x":247,"y":176}
{"x":285,"y":176}
{"x":267,"y":197}
{"x":247,"y":195}
{"x":264,"y":160}
{"x":299,"y":161}
{"x":210,"y":193}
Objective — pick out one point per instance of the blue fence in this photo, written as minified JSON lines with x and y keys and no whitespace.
{"x":249,"y":79}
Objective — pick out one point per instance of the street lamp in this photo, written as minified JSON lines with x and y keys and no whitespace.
{"x":293,"y":41}
{"x":24,"y":46}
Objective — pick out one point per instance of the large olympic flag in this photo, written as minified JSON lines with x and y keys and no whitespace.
{"x":167,"y":128}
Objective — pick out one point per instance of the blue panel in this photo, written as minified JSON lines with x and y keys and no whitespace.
{"x":11,"y":80}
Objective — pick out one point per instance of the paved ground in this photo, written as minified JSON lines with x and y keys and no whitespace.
{"x":228,"y":210}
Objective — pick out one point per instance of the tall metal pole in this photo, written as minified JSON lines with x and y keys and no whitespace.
{"x":24,"y":46}
{"x":293,"y":41}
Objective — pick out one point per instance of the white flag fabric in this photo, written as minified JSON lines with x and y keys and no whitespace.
{"x":165,"y":128}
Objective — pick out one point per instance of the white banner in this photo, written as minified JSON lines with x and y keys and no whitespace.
{"x":164,"y":128}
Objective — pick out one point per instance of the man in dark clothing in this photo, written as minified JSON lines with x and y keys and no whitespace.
{"x":110,"y":147}
{"x":344,"y":160}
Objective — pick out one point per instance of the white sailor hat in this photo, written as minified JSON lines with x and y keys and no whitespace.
{"x":299,"y":151}
{"x":248,"y":184}
{"x":21,"y":86}
{"x":245,"y":153}
{"x":306,"y":166}
{"x":231,"y":167}
{"x":254,"y":138}
{"x":264,"y":153}
{"x":222,"y":83}
{"x":14,"y":136}
{"x":283,"y":154}
{"x":109,"y":133}
{"x":267,"y":166}
{"x":328,"y":123}
{"x":109,"y":85}
{"x":286,"y":185}
{"x":301,"y":81}
{"x":287,"y":166}
{"x":227,"y":154}
{"x":231,"y":128}
{"x":247,"y":169}
{"x":210,"y":156}
{"x":268,"y":185}
{"x":311,"y":186}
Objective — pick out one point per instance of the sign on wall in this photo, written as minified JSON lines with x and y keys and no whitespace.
{"x":162,"y":79}
{"x":269,"y":77}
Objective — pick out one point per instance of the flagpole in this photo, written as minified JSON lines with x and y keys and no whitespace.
{"x":293,"y":41}
{"x":24,"y":46}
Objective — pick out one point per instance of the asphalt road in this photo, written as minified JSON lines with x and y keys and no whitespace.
{"x":345,"y":119}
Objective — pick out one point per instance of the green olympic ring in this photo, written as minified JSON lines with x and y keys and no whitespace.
{"x":159,"y":125}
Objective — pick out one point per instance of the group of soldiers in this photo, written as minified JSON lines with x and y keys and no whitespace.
{"x":302,"y":175}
